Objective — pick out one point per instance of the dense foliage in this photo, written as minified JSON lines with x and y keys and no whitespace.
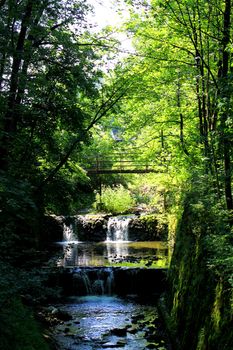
{"x":115,"y":200}
{"x":166,"y":106}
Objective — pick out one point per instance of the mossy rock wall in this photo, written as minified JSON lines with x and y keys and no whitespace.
{"x":85,"y":228}
{"x":91,"y":228}
{"x":199,"y":302}
{"x":147,"y":228}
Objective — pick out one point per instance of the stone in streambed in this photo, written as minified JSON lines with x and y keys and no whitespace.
{"x":61,"y":315}
{"x":152,"y":346}
{"x":120,"y":332}
{"x":133,"y":330}
{"x":119,"y":344}
{"x":109,"y":345}
{"x":136,"y":318}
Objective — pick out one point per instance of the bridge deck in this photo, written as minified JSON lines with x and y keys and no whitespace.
{"x":120,"y":164}
{"x":120,"y":171}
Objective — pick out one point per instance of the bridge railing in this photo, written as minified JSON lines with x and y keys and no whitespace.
{"x":119,"y":163}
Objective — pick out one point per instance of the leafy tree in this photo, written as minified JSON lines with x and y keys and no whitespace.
{"x":52,"y":90}
{"x":182,"y":59}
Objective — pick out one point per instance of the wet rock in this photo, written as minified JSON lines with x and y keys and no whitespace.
{"x":53,"y":316}
{"x":109,"y":345}
{"x":136,"y":318}
{"x":152,"y":346}
{"x":147,"y":228}
{"x":62,"y":315}
{"x":118,"y":344}
{"x":91,"y":228}
{"x":133,"y":330}
{"x":120,"y":332}
{"x":151,"y":327}
{"x":121,"y":342}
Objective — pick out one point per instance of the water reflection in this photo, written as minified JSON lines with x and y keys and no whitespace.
{"x":110,"y":253}
{"x":117,"y":250}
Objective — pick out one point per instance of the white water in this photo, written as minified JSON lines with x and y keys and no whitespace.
{"x":69,"y":233}
{"x":118,"y":228}
{"x":93,"y":281}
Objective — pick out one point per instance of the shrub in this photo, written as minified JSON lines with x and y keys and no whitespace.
{"x":115,"y":200}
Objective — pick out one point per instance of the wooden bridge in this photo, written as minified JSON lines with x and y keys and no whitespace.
{"x":119,"y":163}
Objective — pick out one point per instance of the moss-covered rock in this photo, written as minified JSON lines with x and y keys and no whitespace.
{"x":91,"y":228}
{"x":147,"y":228}
{"x":84,"y":228}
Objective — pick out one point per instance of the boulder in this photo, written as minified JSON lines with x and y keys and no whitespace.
{"x":91,"y":228}
{"x":147,"y":228}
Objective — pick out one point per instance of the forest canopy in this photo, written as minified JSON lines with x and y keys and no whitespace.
{"x":166,"y":102}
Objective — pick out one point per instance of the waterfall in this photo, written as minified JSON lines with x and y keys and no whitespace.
{"x":113,"y":281}
{"x":93,"y":281}
{"x":117,"y":229}
{"x":69,"y":232}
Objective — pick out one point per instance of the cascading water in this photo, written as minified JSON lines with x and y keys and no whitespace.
{"x":113,"y":281}
{"x":69,"y":239}
{"x":99,"y":316}
{"x":93,"y":281}
{"x":117,"y":229}
{"x":69,"y":232}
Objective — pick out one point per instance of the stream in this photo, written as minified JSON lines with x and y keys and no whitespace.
{"x":109,"y":322}
{"x":102,"y":303}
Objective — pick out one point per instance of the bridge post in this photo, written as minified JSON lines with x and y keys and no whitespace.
{"x":99,"y":206}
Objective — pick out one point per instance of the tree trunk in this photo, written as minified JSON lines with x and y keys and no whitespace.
{"x":10,"y":118}
{"x":181,"y":119}
{"x":225,"y":95}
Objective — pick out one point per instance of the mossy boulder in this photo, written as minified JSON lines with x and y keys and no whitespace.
{"x":91,"y":228}
{"x":146,"y":228}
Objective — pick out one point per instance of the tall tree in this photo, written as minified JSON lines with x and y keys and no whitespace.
{"x":225,"y":95}
{"x":184,"y":46}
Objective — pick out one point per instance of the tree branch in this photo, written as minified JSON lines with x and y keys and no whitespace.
{"x":101,"y":112}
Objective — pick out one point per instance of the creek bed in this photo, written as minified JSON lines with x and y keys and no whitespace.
{"x":108,"y":322}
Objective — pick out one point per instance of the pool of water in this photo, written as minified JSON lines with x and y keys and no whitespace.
{"x":131,"y":254}
{"x":109,"y":322}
